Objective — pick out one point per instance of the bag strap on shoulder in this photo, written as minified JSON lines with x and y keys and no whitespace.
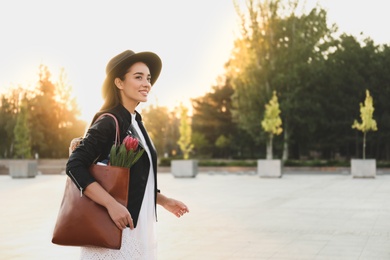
{"x":117,"y":136}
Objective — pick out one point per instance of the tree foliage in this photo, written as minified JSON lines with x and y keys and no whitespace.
{"x":185,"y":131}
{"x":274,"y":52}
{"x":212,"y":118}
{"x":10,"y":104}
{"x":334,"y":88}
{"x":320,"y":77}
{"x":368,"y":122}
{"x":22,"y":133}
{"x":272,"y":123}
{"x":46,"y":120}
{"x":163,"y":128}
{"x":223,"y":144}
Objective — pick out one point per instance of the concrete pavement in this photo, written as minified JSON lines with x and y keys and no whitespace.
{"x":232,"y":216}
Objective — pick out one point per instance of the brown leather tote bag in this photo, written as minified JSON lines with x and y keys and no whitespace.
{"x":81,"y":221}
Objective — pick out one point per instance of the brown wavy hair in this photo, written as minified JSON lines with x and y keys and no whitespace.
{"x":110,"y":92}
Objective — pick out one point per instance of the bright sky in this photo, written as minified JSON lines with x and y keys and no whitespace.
{"x":193,"y":38}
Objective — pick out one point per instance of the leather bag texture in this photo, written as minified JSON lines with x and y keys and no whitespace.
{"x":81,"y":221}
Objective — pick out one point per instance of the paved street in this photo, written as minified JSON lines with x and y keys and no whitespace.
{"x":233,"y":216}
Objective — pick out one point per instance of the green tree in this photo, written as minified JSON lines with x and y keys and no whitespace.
{"x":45,"y":117}
{"x":185,"y":133}
{"x":272,"y":123}
{"x":7,"y":122}
{"x":380,"y":82}
{"x":54,"y":116}
{"x":331,"y":97}
{"x":22,"y":133}
{"x":346,"y":75}
{"x":202,"y":147}
{"x":9,"y":108}
{"x":69,"y":125}
{"x":223,"y":143}
{"x":158,"y":121}
{"x":212,"y":118}
{"x":368,"y":122}
{"x":275,"y":52}
{"x":173,"y":133}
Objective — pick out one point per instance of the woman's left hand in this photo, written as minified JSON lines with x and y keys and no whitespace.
{"x":176,"y":207}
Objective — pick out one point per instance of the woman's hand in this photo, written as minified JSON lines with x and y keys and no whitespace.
{"x":176,"y":207}
{"x":120,"y":215}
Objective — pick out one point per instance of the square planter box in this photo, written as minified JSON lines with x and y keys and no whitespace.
{"x":363,"y":168}
{"x":184,"y":168}
{"x":269,"y":168}
{"x":23,"y":168}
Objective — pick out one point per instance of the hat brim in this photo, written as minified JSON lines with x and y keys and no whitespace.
{"x":151,"y":59}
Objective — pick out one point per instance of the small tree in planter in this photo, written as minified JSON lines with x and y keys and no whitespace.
{"x":186,"y":167}
{"x":272,"y":124}
{"x":23,"y":166}
{"x":185,"y":133}
{"x":22,"y":134}
{"x":365,"y":168}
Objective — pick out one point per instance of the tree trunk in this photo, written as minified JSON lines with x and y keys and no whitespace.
{"x":285,"y":145}
{"x":269,"y":148}
{"x":357,"y":144}
{"x":364,"y":145}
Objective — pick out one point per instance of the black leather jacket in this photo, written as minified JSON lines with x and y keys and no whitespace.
{"x":96,"y":146}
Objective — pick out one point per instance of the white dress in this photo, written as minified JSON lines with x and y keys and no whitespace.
{"x":141,"y":242}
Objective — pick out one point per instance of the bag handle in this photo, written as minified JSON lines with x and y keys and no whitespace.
{"x":117,"y":136}
{"x":76,"y":141}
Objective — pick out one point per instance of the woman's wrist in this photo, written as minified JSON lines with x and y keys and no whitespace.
{"x":161,"y":199}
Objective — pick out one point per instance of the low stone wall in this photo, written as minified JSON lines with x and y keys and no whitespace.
{"x":4,"y":169}
{"x":45,"y":166}
{"x":57,"y":166}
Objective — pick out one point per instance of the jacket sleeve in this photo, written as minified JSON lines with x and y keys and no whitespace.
{"x":94,"y":147}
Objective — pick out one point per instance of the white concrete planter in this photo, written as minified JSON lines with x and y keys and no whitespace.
{"x":184,"y":168}
{"x":23,"y":168}
{"x":269,"y":168}
{"x":363,"y":168}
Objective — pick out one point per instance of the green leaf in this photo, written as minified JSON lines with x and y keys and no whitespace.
{"x":113,"y":157}
{"x":137,"y":156}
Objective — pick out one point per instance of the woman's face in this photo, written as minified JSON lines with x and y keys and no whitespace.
{"x":136,"y":85}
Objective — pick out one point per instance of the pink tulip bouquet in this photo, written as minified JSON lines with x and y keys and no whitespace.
{"x":126,"y":154}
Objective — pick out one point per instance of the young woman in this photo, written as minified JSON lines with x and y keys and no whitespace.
{"x":129,"y":78}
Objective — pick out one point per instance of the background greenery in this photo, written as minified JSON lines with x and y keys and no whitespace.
{"x":320,"y":76}
{"x":40,"y":121}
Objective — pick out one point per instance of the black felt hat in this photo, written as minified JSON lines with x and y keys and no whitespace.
{"x":129,"y":57}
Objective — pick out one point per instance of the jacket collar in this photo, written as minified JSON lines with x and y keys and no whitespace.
{"x":124,"y":114}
